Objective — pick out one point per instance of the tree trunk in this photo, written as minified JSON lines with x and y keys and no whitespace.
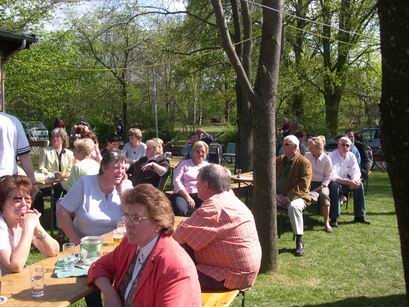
{"x":124,"y":95}
{"x":263,"y":99}
{"x":332,"y":98}
{"x":264,"y":107}
{"x":244,"y":159}
{"x":394,"y":106}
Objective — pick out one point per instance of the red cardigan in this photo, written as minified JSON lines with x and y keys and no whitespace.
{"x":168,"y":279}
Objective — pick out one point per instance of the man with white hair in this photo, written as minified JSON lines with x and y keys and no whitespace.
{"x":293,"y":175}
{"x":346,"y":176}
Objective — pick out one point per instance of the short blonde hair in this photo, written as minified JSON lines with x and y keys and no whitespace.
{"x":156,"y":143}
{"x":317,"y":141}
{"x":84,"y":147}
{"x":200,"y":144}
{"x":136,"y":133}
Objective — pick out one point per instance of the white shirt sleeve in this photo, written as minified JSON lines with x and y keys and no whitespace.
{"x":75,"y":197}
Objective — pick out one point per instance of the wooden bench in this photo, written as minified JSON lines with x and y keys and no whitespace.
{"x":220,"y":298}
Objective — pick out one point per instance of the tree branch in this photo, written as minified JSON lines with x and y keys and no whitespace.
{"x":229,"y":49}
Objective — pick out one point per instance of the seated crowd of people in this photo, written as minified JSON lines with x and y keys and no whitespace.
{"x":321,"y":177}
{"x":215,"y":248}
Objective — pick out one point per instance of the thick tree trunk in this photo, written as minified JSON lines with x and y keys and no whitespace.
{"x":264,"y":108}
{"x":394,"y":106}
{"x":263,"y":100}
{"x":244,"y":159}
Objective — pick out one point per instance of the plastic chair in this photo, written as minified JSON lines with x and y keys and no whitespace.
{"x":230,"y":155}
{"x":215,"y":153}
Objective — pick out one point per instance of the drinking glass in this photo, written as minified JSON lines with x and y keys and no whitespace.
{"x":117,"y":236}
{"x":37,"y":281}
{"x":69,"y":256}
{"x":120,"y":226}
{"x":238,"y":172}
{"x":2,"y":298}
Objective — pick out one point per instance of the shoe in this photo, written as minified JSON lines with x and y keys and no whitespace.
{"x":328,"y":229}
{"x":333,"y":223}
{"x":361,"y":220}
{"x":299,"y":250}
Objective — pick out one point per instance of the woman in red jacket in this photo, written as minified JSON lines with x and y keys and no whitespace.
{"x":148,"y":268}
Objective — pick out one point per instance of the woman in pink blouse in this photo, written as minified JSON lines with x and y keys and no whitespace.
{"x":185,"y":200}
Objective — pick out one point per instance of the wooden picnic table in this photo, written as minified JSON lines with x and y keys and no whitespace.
{"x":174,"y":161}
{"x":246,"y":178}
{"x":16,"y":287}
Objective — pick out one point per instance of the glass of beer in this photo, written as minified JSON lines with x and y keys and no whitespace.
{"x":117,"y":236}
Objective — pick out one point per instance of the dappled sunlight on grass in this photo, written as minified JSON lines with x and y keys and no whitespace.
{"x":356,"y":265}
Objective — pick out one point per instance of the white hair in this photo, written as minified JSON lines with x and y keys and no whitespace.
{"x":292,"y":139}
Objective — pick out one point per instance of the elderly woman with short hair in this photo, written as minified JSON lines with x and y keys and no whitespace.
{"x":149,"y":268}
{"x":20,"y":225}
{"x":57,"y":159}
{"x":83,"y":149}
{"x":95,"y":200}
{"x":185,"y":199}
{"x":134,"y":149}
{"x":150,"y":168}
{"x":321,"y":175}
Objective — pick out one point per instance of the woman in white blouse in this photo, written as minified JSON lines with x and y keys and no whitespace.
{"x":321,"y":175}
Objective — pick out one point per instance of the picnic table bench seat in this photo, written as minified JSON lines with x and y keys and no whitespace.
{"x":220,"y":298}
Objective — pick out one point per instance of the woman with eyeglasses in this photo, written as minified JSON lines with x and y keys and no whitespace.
{"x":321,"y":175}
{"x":20,"y":225}
{"x":149,"y":268}
{"x":94,"y":200}
{"x":185,"y":199}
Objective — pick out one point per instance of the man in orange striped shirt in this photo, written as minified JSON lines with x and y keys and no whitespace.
{"x":221,"y":235}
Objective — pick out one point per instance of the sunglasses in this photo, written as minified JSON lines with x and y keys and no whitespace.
{"x":287,"y":144}
{"x":19,"y":199}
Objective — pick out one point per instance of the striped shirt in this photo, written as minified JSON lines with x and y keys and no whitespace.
{"x":223,"y":234}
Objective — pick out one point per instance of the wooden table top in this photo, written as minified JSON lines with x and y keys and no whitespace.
{"x":175,"y":160}
{"x":16,"y":287}
{"x":243,"y":177}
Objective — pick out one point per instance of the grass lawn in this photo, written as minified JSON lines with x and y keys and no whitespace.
{"x":356,"y":265}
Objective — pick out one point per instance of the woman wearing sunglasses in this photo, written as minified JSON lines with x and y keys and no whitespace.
{"x":20,"y":225}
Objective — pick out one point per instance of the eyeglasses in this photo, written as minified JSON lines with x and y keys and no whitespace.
{"x":19,"y":199}
{"x":133,"y":219}
{"x":344,"y":144}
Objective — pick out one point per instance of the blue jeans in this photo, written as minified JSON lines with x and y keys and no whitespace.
{"x":335,"y":190}
{"x":180,"y":206}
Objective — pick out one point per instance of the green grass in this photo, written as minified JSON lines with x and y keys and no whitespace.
{"x":356,"y":265}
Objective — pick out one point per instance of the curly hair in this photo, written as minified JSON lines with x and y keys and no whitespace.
{"x":83,"y":132}
{"x":157,"y":205}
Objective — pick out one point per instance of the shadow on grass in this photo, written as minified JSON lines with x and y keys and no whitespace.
{"x":390,"y":300}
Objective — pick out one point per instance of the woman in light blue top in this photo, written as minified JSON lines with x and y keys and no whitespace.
{"x":95,"y":200}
